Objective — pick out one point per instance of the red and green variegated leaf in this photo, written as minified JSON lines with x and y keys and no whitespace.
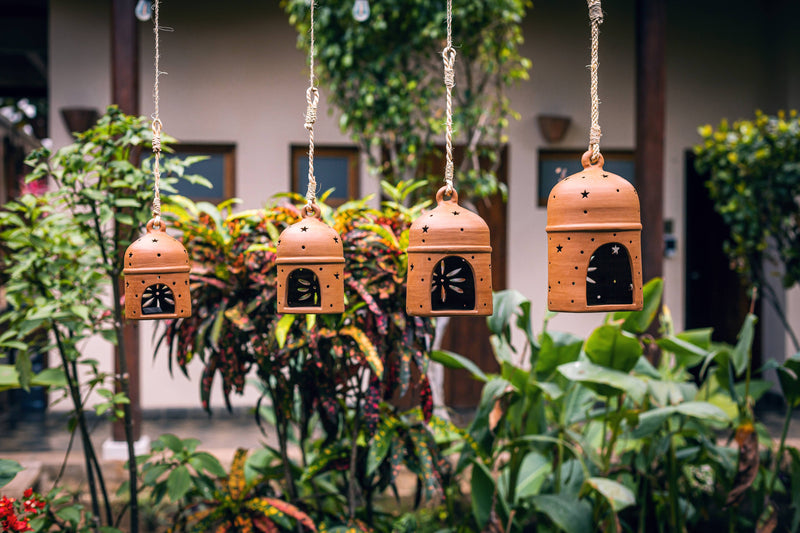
{"x":243,"y":524}
{"x":381,"y":443}
{"x":224,"y":528}
{"x":200,"y":515}
{"x":426,"y":398}
{"x":372,"y":405}
{"x":404,"y":369}
{"x":367,"y":348}
{"x":291,"y":511}
{"x":326,"y":456}
{"x":397,"y":455}
{"x":207,"y":380}
{"x":426,"y":464}
{"x":366,"y":296}
{"x":207,"y":521}
{"x":236,"y":482}
{"x":264,"y":524}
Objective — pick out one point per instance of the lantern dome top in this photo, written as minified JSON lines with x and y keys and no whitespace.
{"x":156,"y":252}
{"x":449,"y":228}
{"x":593,"y":200}
{"x":310,"y":241}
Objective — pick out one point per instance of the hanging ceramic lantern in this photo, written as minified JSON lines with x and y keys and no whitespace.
{"x":594,"y":248}
{"x":449,"y":262}
{"x":310,"y":267}
{"x":157,"y":276}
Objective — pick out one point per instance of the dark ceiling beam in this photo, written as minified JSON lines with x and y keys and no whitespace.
{"x":650,"y":130}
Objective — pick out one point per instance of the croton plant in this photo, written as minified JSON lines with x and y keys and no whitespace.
{"x":342,"y":371}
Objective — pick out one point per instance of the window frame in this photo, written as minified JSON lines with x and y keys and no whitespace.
{"x":350,"y":152}
{"x":228,"y":152}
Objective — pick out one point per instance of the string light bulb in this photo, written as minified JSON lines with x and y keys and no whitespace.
{"x":143,"y":10}
{"x":361,"y":10}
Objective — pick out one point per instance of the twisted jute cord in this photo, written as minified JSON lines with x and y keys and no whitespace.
{"x":312,"y":99}
{"x":156,"y":126}
{"x":596,"y":18}
{"x":449,"y":59}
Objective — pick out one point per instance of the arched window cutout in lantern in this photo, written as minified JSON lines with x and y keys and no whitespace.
{"x":158,"y":299}
{"x":608,"y":276}
{"x":157,"y":276}
{"x":449,"y":262}
{"x":302,"y":289}
{"x":310,"y":261}
{"x":452,"y":285}
{"x":594,"y":243}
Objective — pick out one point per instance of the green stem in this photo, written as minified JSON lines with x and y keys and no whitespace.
{"x":614,"y":434}
{"x":787,"y":420}
{"x":673,"y":487}
{"x":559,"y":460}
{"x":85,"y":438}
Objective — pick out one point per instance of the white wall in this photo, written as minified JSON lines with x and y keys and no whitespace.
{"x":235,"y":75}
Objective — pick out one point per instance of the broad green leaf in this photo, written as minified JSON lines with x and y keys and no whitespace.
{"x":652,"y":420}
{"x":789,"y":376}
{"x":533,"y":470}
{"x":483,"y":489}
{"x":639,"y":321}
{"x":453,"y":360}
{"x":50,"y":377}
{"x":507,"y":304}
{"x":740,"y":357}
{"x":604,"y":381}
{"x":566,"y":512}
{"x":616,"y":494}
{"x":172,"y":442}
{"x":8,"y":470}
{"x":381,"y":443}
{"x":613,"y":348}
{"x":179,"y":481}
{"x":556,"y":349}
{"x":687,"y":353}
{"x":209,"y":463}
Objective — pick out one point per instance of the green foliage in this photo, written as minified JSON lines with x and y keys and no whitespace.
{"x":755,"y":185}
{"x":62,"y":256}
{"x":385,"y":76}
{"x":590,"y":435}
{"x":8,"y":470}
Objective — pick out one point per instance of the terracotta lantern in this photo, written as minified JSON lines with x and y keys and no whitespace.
{"x":157,"y":276}
{"x":310,"y":267}
{"x":594,"y":249}
{"x":449,"y":262}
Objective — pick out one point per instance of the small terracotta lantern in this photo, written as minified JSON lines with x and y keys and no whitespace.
{"x":157,"y":276}
{"x":594,"y":248}
{"x":310,"y":267}
{"x":449,"y":262}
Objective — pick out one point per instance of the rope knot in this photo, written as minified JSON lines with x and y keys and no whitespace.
{"x":312,"y":98}
{"x":449,"y":59}
{"x":595,"y":12}
{"x":594,"y":135}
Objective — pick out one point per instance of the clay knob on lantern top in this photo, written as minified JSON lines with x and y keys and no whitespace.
{"x":593,"y":199}
{"x":449,"y":228}
{"x":156,"y":252}
{"x":310,"y":241}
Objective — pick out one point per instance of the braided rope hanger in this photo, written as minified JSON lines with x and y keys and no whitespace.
{"x":449,"y":59}
{"x":312,"y":99}
{"x":156,"y":127}
{"x":596,"y":18}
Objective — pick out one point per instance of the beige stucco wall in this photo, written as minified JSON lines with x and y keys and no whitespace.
{"x":235,"y":75}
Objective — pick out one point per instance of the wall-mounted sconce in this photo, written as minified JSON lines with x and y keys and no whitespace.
{"x":79,"y":119}
{"x":553,"y":127}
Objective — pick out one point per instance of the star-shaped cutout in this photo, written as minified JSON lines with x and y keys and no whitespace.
{"x":585,"y":194}
{"x":130,"y":254}
{"x":615,"y":250}
{"x":155,"y":240}
{"x":336,"y":275}
{"x":304,"y":228}
{"x":412,"y":268}
{"x":424,"y":229}
{"x":559,"y":247}
{"x":336,"y":240}
{"x":455,"y":213}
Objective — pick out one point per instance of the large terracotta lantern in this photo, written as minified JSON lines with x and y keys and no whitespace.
{"x":310,"y":267}
{"x":449,"y":262}
{"x":594,"y":250}
{"x":157,"y":276}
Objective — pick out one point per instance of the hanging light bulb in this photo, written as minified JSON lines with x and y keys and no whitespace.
{"x":143,"y":10}
{"x":361,"y":10}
